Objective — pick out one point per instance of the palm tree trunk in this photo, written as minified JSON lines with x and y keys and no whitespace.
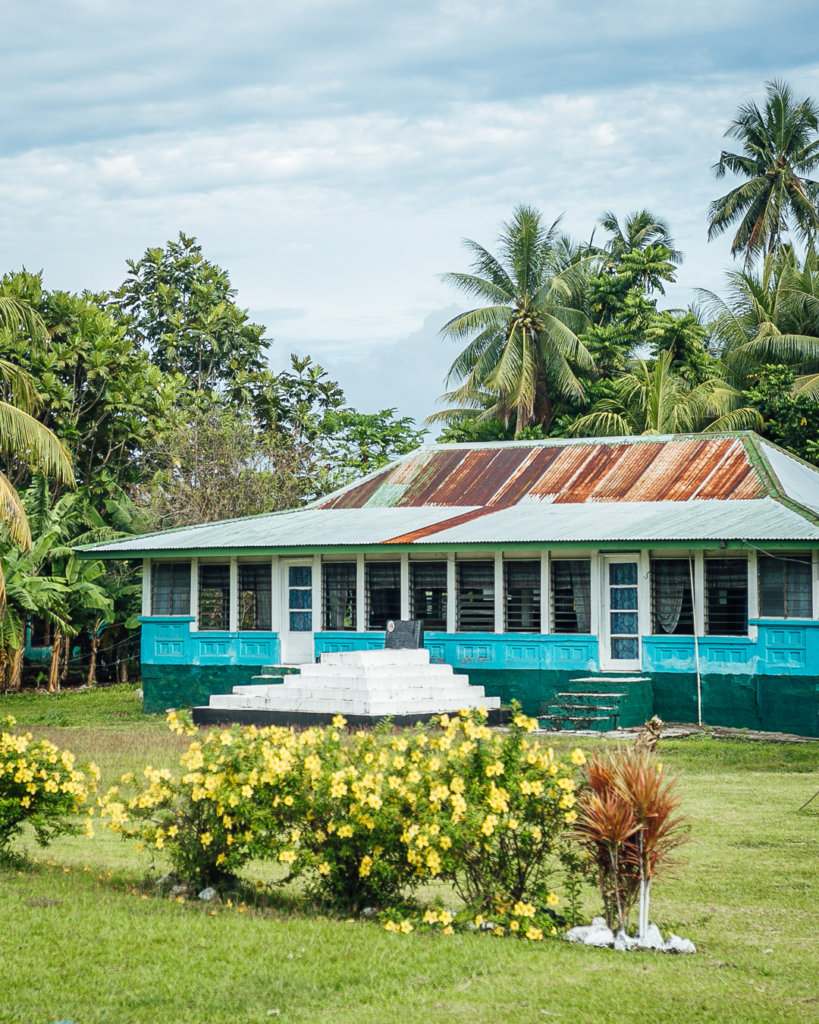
{"x":122,"y":667}
{"x":90,"y":678}
{"x":54,"y":664}
{"x":65,"y":659}
{"x":15,"y":669}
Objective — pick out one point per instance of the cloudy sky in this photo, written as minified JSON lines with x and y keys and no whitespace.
{"x":330,"y":154}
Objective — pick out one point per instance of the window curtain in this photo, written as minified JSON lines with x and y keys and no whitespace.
{"x":669,"y":594}
{"x":581,"y":594}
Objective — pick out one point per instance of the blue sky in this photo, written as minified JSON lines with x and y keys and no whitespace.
{"x":331,"y":154}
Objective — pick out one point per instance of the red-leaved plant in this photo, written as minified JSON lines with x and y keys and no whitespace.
{"x":626,"y":821}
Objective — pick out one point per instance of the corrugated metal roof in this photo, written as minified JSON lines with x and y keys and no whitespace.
{"x":796,"y":479}
{"x":722,"y":487}
{"x":623,"y":470}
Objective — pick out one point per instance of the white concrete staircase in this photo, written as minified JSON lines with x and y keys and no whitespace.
{"x":364,"y":686}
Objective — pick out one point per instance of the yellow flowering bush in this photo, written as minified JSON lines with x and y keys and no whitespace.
{"x":229,"y":802}
{"x":493,"y":812}
{"x":364,"y":818}
{"x":358,"y":798}
{"x":42,"y":785}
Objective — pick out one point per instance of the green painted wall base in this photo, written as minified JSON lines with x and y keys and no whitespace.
{"x":742,"y":701}
{"x":769,"y":703}
{"x":185,"y":686}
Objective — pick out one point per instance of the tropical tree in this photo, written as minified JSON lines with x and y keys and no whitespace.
{"x":523,"y":348}
{"x":770,"y":316}
{"x":181,"y":308}
{"x":654,"y":400}
{"x":779,"y":148}
{"x":641,"y":230}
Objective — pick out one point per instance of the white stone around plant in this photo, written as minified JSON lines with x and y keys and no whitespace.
{"x":653,"y":938}
{"x":372,"y":684}
{"x":207,"y":894}
{"x":599,"y":935}
{"x":624,"y":942}
{"x":674,"y":944}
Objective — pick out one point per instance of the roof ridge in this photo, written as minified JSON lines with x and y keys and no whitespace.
{"x":778,"y":492}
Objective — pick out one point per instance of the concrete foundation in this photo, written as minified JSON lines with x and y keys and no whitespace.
{"x":364,"y":686}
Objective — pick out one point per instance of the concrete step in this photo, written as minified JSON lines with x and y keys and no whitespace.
{"x":588,"y":697}
{"x":585,"y":723}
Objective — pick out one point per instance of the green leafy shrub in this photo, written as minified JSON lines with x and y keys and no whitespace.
{"x":229,"y":804}
{"x":492,"y":814}
{"x":41,"y":785}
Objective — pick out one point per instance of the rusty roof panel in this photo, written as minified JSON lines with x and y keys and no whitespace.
{"x":676,"y":472}
{"x":357,"y":496}
{"x":683,"y":469}
{"x":592,"y":474}
{"x":432,"y":474}
{"x":635,"y":464}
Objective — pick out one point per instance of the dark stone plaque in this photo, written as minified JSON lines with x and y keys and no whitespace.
{"x":404,"y":634}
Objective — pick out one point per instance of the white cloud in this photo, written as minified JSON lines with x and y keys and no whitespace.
{"x":331,"y":155}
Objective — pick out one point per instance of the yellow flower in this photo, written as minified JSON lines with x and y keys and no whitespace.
{"x":498,"y":930}
{"x":514,"y":926}
{"x":339,"y":721}
{"x":533,"y":934}
{"x":449,"y":930}
{"x":324,"y":868}
{"x":406,"y":927}
{"x":365,"y":867}
{"x":345,"y":831}
{"x":206,"y":839}
{"x":578,"y":757}
{"x":523,"y":909}
{"x":552,"y":899}
{"x":479,"y":920}
{"x":570,"y":817}
{"x":430,"y":917}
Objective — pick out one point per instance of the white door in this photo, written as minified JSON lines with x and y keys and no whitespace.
{"x":297,"y":618}
{"x":620,"y":626}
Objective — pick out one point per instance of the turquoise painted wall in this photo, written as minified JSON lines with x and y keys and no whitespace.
{"x":771,"y":682}
{"x":181,"y":668}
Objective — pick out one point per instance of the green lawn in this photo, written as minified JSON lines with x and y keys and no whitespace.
{"x":84,"y":942}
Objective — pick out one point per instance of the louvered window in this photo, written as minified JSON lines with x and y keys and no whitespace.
{"x":521,"y":596}
{"x":383,"y":593}
{"x":254,"y":597}
{"x":171,"y":588}
{"x":671,"y":607}
{"x":339,"y":590}
{"x":214,"y":597}
{"x":785,"y":587}
{"x":726,"y":597}
{"x":476,"y":597}
{"x":428,"y":593}
{"x":571,"y":596}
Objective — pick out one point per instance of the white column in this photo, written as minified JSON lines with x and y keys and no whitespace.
{"x":644,"y":595}
{"x":545,"y":592}
{"x":195,"y":593}
{"x":360,"y":595}
{"x":317,"y":596}
{"x":753,"y":594}
{"x":815,"y":567}
{"x":596,"y":585}
{"x":699,"y":592}
{"x":233,"y":607}
{"x":146,"y":586}
{"x":275,"y":595}
{"x":405,"y":596}
{"x":499,"y":616}
{"x":451,"y":593}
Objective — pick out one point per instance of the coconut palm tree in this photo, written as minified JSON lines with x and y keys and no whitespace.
{"x":654,"y":400}
{"x":522,"y":348}
{"x":780,"y":147}
{"x":640,"y":230}
{"x":770,"y":316}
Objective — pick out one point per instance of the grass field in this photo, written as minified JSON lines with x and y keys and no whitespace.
{"x":85,"y":941}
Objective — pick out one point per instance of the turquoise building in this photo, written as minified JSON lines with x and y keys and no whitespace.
{"x":598,"y":579}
